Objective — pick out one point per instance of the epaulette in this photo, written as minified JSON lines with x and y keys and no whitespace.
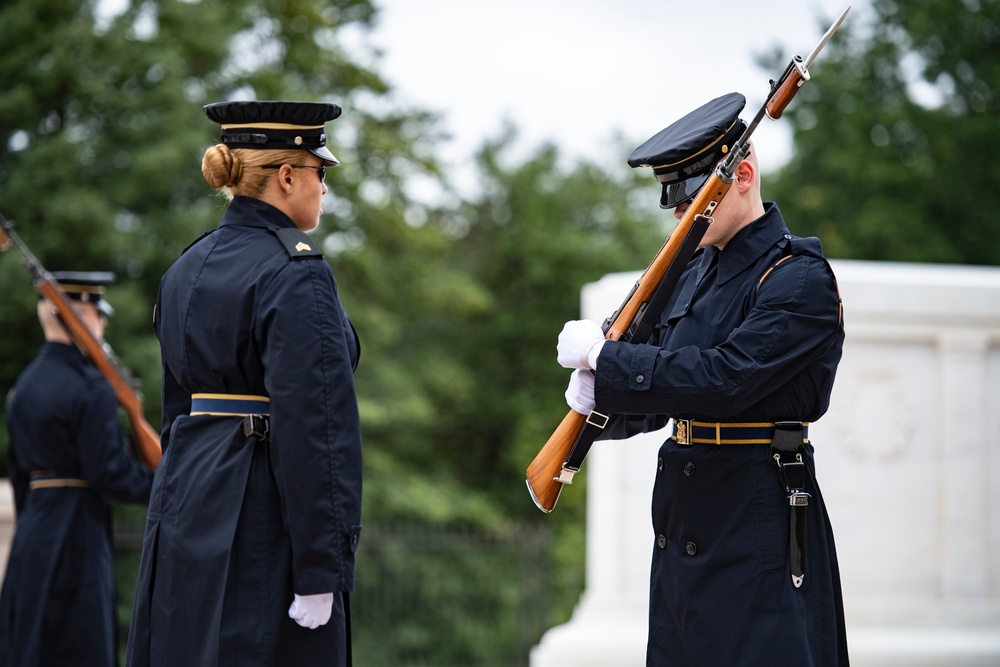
{"x":298,"y":243}
{"x":204,"y":234}
{"x":808,"y":246}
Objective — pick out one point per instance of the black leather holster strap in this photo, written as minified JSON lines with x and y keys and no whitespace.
{"x":347,"y":628}
{"x":786,"y":450}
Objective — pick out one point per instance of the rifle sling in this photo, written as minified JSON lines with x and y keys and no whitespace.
{"x":640,"y":331}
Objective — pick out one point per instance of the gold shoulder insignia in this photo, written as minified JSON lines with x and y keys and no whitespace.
{"x":297,"y":243}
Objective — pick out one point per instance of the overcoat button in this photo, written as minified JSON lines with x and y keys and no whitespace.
{"x":661,"y":541}
{"x":688,"y":469}
{"x":640,"y":378}
{"x":659,"y":464}
{"x":690,"y":548}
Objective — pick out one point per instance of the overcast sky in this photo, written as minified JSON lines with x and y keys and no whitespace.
{"x":578,"y":72}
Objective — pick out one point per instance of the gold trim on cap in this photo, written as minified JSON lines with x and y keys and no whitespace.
{"x":272,"y":126}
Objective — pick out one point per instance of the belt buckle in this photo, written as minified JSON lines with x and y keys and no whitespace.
{"x":256,"y":426}
{"x":682,"y":431}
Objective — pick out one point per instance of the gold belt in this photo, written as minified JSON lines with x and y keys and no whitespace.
{"x":690,"y":432}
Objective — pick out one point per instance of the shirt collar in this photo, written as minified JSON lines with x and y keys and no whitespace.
{"x":252,"y":212}
{"x":751,"y":243}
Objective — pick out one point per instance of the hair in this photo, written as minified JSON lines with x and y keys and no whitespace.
{"x":236,"y":172}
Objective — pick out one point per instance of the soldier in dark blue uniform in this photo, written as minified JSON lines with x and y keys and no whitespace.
{"x":744,"y":569}
{"x":255,"y":514}
{"x":68,"y":459}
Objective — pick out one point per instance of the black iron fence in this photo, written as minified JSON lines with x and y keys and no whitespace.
{"x":431,"y":595}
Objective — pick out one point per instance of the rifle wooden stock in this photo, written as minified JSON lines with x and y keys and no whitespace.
{"x":545,"y":477}
{"x":543,"y":471}
{"x":147,"y":440}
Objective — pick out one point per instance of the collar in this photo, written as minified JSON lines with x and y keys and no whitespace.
{"x":61,"y":350}
{"x":252,"y":212}
{"x":751,"y":243}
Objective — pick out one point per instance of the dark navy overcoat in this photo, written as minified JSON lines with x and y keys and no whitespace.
{"x":731,"y":347}
{"x":237,"y":525}
{"x":67,"y":459}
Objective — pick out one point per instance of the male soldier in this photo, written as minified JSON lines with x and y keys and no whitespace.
{"x":68,"y":458}
{"x":742,"y":359}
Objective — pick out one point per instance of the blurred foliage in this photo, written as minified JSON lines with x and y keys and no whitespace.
{"x":457,"y":300}
{"x":457,"y":303}
{"x":895,"y":137}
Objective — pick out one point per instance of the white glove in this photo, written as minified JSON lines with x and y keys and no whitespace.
{"x":311,"y":611}
{"x":580,"y":344}
{"x":580,"y":392}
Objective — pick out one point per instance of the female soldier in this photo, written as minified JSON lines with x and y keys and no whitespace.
{"x":254,"y":518}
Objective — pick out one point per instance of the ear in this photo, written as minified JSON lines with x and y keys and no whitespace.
{"x":286,"y":178}
{"x":744,"y":175}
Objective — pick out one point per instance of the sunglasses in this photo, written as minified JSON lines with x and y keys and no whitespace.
{"x":321,"y":169}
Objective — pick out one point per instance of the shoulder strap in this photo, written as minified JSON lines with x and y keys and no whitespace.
{"x":203,"y":235}
{"x":297,"y":243}
{"x":797,"y":246}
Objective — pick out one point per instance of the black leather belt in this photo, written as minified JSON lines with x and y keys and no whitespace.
{"x":50,"y":479}
{"x":255,"y":411}
{"x":229,"y":404}
{"x":690,"y":432}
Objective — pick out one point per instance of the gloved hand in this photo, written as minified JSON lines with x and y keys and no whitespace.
{"x":580,"y":344}
{"x":580,"y":392}
{"x":311,"y":611}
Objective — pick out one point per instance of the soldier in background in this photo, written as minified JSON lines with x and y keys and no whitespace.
{"x":68,"y":459}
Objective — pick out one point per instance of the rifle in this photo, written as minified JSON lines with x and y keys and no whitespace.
{"x":99,"y":352}
{"x":562,"y":455}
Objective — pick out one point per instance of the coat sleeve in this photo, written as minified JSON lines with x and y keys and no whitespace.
{"x":174,"y":400}
{"x":102,"y":451}
{"x":306,"y":347}
{"x":794,"y":320}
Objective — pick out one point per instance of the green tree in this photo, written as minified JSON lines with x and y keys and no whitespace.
{"x":103,"y":134}
{"x":881,"y":172}
{"x":457,"y":303}
{"x":471,"y":391}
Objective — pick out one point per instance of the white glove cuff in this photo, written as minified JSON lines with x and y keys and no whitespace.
{"x":594,"y":353}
